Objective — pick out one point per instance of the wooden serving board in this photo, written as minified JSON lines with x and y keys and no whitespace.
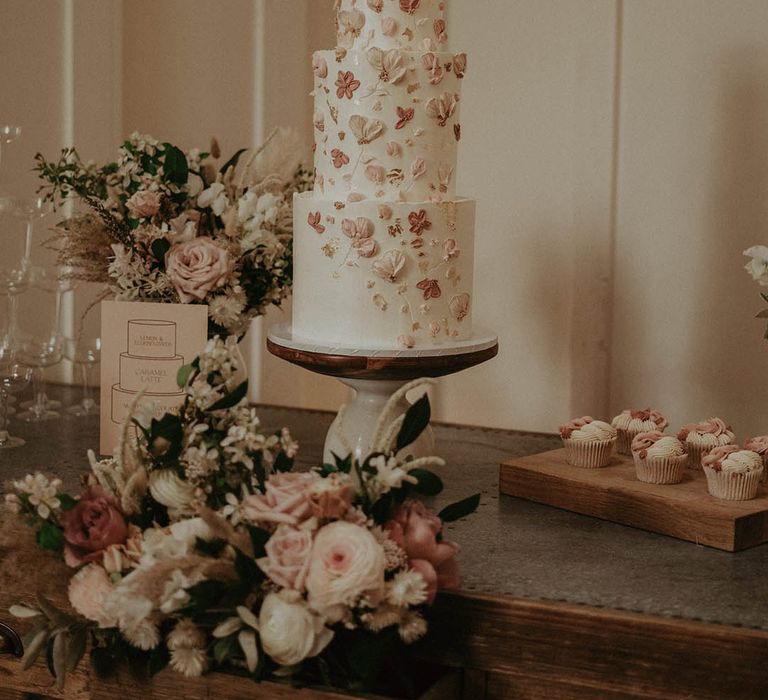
{"x":684,"y":510}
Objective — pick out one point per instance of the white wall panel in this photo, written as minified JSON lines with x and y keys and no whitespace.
{"x":693,"y":178}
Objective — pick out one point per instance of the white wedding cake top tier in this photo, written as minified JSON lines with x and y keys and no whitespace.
{"x":388,"y":24}
{"x":387,"y":118}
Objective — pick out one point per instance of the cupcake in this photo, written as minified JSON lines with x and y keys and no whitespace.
{"x":759,"y":444}
{"x":659,"y":458}
{"x":700,"y":438}
{"x":588,"y":442}
{"x":631,"y":422}
{"x":733,"y":474}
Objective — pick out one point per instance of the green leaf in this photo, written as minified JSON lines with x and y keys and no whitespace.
{"x":416,"y":420}
{"x":232,"y":162}
{"x":160,"y":246}
{"x":204,"y":595}
{"x":283,"y":463}
{"x":67,"y":502}
{"x":430,"y":484}
{"x":211,"y":548}
{"x":247,"y":570}
{"x":57,"y":657}
{"x":259,"y":538}
{"x":764,"y":295}
{"x":343,"y":465}
{"x":50,"y":537}
{"x":460,"y":509}
{"x":183,"y":375}
{"x":762,"y":314}
{"x":175,"y":165}
{"x":231,"y":399}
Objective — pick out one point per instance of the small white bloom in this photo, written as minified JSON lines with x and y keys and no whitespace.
{"x":42,"y":493}
{"x":406,"y":589}
{"x":186,"y":635}
{"x":412,"y":627}
{"x":758,"y":266}
{"x":214,"y":197}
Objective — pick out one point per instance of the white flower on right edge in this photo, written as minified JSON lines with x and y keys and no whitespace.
{"x":758,"y":265}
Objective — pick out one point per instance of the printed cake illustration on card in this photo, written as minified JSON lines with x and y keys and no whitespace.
{"x":150,"y":365}
{"x":143,"y":347}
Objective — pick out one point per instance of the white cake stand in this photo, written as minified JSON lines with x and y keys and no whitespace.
{"x":375,"y":375}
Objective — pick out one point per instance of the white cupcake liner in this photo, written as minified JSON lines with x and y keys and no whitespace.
{"x":624,"y":440}
{"x":697,"y":452}
{"x":589,"y":454}
{"x":733,"y":487}
{"x":661,"y":470}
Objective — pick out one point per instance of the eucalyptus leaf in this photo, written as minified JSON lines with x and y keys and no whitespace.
{"x":762,"y":314}
{"x":460,"y":509}
{"x":56,"y":616}
{"x":223,"y":649}
{"x":59,"y":658}
{"x":76,"y":648}
{"x":32,"y":651}
{"x":416,"y":421}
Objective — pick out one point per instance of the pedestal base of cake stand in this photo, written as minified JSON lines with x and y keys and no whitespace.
{"x":375,"y":375}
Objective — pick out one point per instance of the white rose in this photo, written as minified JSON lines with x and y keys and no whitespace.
{"x":758,"y":266}
{"x":290,"y":631}
{"x":346,"y":563}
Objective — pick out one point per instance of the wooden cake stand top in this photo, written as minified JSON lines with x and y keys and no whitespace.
{"x":384,"y":364}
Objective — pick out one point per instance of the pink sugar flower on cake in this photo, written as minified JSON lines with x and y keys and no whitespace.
{"x":633,"y":421}
{"x":588,"y":442}
{"x":701,"y":438}
{"x":659,"y":458}
{"x":759,"y":444}
{"x":732,"y":474}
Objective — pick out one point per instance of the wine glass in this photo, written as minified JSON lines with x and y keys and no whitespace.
{"x":84,"y":353}
{"x":8,"y":133}
{"x":40,"y":341}
{"x":14,"y":378}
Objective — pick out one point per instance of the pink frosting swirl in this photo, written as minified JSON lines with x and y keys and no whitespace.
{"x":642,"y":441}
{"x":575,"y":424}
{"x":714,"y":460}
{"x":757,"y":444}
{"x":713,"y":426}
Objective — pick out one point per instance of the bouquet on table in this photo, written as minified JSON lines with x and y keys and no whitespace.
{"x":163,"y":225}
{"x":198,"y":545}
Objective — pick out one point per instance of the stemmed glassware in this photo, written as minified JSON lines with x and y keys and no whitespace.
{"x":84,"y":353}
{"x":8,"y":133}
{"x":14,"y":378}
{"x":41,"y":343}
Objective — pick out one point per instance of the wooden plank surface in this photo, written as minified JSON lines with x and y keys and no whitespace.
{"x":558,"y":650}
{"x":684,"y":510}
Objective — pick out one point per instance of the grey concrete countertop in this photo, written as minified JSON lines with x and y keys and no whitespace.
{"x":510,"y":546}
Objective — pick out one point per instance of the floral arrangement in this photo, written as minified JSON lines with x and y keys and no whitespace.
{"x":165,"y":225}
{"x":758,"y":270}
{"x":198,"y":546}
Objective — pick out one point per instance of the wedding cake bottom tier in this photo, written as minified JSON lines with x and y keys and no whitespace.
{"x":383,"y":275}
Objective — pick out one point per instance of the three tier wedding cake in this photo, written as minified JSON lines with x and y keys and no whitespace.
{"x":384,"y":248}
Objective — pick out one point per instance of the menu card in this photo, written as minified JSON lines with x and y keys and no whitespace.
{"x":143,"y":346}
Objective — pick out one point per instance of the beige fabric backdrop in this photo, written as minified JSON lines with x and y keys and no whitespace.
{"x":617,"y":150}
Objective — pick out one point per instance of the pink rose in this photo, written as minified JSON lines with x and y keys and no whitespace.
{"x":757,"y":444}
{"x":94,"y":524}
{"x":715,"y":458}
{"x":642,"y":441}
{"x":287,"y":559}
{"x":196,"y":267}
{"x":88,"y":590}
{"x":143,"y":204}
{"x":416,"y":530}
{"x":347,"y":562}
{"x":575,"y":424}
{"x":286,"y":500}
